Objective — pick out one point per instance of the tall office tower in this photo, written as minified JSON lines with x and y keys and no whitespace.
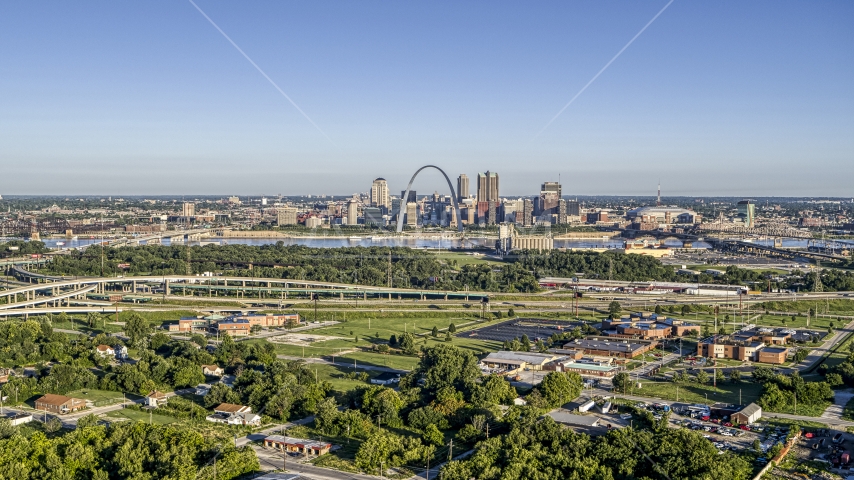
{"x":561,"y":211}
{"x":550,"y":194}
{"x":747,"y":212}
{"x":572,"y":208}
{"x":487,"y":187}
{"x":188,"y":209}
{"x":379,"y":193}
{"x":411,"y":198}
{"x":287,"y":216}
{"x":462,"y":187}
{"x":527,"y":212}
{"x":352,"y":212}
{"x":412,"y":214}
{"x":395,"y":208}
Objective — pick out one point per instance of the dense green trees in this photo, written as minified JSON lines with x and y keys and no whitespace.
{"x":780,"y":392}
{"x":558,"y":388}
{"x":447,"y":366}
{"x":541,"y":449}
{"x":137,"y":329}
{"x":608,"y":265}
{"x":132,"y":451}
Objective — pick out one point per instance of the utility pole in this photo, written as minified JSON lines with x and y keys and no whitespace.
{"x":487,"y":430}
{"x":451,"y":450}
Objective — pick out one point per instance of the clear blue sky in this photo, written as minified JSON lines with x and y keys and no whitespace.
{"x":727,"y":97}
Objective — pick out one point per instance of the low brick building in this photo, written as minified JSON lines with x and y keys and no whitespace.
{"x":235,"y":328}
{"x":59,"y":404}
{"x":774,"y":355}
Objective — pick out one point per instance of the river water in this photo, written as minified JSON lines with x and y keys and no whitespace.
{"x":415,"y":242}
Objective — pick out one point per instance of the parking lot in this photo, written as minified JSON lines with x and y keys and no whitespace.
{"x":532,"y":327}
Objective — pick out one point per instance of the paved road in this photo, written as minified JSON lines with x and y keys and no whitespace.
{"x":272,"y":460}
{"x":645,"y":369}
{"x":830,"y":341}
{"x":840,"y":399}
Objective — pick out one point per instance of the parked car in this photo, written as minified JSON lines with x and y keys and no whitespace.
{"x":837,"y":438}
{"x":744,"y":427}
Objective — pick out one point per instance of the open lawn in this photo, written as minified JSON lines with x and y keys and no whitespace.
{"x":840,"y":352}
{"x":337,"y":376}
{"x":399,"y":362}
{"x":140,"y":416}
{"x":695,"y":393}
{"x":100,"y":397}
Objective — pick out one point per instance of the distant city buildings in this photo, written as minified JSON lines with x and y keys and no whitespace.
{"x":286,"y":216}
{"x":379,"y":194}
{"x":352,"y":212}
{"x":747,"y":212}
{"x":462,"y":187}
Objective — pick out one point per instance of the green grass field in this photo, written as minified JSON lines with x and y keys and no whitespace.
{"x":98,"y":396}
{"x":138,"y":416}
{"x":694,"y":393}
{"x":336,"y":375}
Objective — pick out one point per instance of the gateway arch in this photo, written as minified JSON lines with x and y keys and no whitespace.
{"x":403,"y":201}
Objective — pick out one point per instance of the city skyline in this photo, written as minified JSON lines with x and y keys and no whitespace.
{"x":742,"y":97}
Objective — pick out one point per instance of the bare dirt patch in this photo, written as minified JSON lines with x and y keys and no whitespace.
{"x":302,"y":339}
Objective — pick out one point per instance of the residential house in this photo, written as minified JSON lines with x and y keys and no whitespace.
{"x":386,"y":378}
{"x":105,"y":350}
{"x":212,"y":370}
{"x":121,"y":352}
{"x":156,"y":399}
{"x":245,"y":418}
{"x":59,"y":404}
{"x":5,"y":374}
{"x":232,"y":414}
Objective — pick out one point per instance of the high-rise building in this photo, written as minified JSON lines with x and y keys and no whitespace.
{"x":188,"y":209}
{"x":373,"y":216}
{"x":411,"y":198}
{"x":379,"y":193}
{"x":352,"y":212}
{"x":561,"y":211}
{"x":550,"y":194}
{"x":572,"y":208}
{"x":412,"y":214}
{"x":462,"y":187}
{"x":527,"y":212}
{"x":747,"y":212}
{"x":487,"y":187}
{"x":395,"y":208}
{"x":287,"y":216}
